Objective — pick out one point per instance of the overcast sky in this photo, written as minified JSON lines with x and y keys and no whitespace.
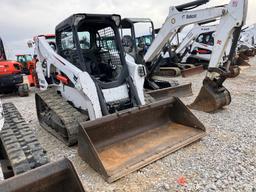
{"x":23,"y":19}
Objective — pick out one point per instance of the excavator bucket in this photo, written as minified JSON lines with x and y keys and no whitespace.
{"x":184,"y":90}
{"x":192,"y":71}
{"x":211,"y":99}
{"x":243,"y":56}
{"x":121,"y":143}
{"x":242,"y":62}
{"x":53,"y":177}
{"x":234,"y":71}
{"x":249,"y":53}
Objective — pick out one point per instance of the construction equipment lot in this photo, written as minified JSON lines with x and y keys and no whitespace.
{"x":224,"y":160}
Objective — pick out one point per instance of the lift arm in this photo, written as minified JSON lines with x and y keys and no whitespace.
{"x":232,"y":17}
{"x":177,"y":20}
{"x":230,"y":24}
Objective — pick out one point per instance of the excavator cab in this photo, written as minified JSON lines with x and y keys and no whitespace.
{"x":26,"y":61}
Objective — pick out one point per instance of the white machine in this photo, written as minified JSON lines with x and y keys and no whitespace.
{"x":232,"y":17}
{"x":197,"y":44}
{"x":89,"y":78}
{"x":89,"y":94}
{"x":248,"y":36}
{"x":89,"y":70}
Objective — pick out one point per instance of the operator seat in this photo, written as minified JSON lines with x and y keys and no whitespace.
{"x":127,"y":43}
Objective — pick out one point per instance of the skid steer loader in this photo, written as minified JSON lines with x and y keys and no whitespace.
{"x":87,"y":86}
{"x":135,"y":48}
{"x":58,"y":176}
{"x":213,"y":95}
{"x":11,"y":78}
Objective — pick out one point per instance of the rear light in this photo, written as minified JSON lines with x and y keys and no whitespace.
{"x":203,"y":51}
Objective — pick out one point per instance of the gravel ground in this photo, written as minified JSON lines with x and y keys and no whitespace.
{"x":224,"y":160}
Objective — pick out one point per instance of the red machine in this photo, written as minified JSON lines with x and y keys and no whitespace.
{"x":11,"y":78}
{"x":28,"y":67}
{"x":31,"y":63}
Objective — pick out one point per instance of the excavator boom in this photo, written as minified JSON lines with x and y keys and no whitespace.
{"x":232,"y":18}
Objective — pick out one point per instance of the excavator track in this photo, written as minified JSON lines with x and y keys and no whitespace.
{"x":58,"y":117}
{"x":20,"y":149}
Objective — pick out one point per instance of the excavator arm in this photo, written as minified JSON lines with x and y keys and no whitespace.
{"x":176,"y":20}
{"x":213,"y":95}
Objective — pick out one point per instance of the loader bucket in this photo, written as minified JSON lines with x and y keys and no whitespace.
{"x":192,"y":71}
{"x":177,"y":91}
{"x":211,"y":99}
{"x":59,"y":176}
{"x":121,"y":143}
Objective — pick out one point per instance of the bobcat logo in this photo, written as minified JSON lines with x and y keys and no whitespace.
{"x":191,"y":16}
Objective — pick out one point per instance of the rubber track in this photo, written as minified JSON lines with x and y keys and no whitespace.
{"x":19,"y":142}
{"x":69,"y":115}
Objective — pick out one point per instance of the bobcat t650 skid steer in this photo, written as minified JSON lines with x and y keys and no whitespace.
{"x":89,"y":81}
